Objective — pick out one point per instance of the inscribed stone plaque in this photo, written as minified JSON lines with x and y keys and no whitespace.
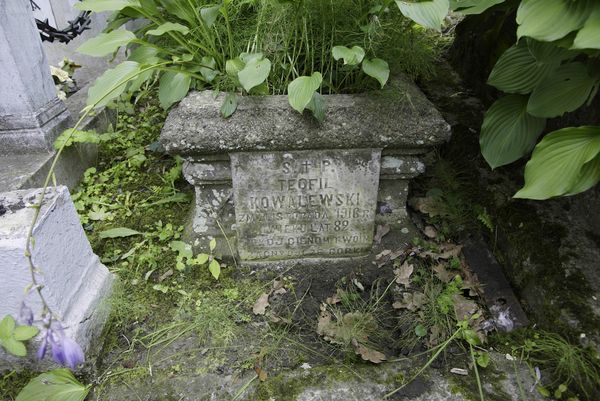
{"x":302,"y":204}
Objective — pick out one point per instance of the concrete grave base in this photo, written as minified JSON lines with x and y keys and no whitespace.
{"x":75,"y":283}
{"x":273,"y":185}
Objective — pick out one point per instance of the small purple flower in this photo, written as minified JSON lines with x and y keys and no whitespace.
{"x":65,"y":351}
{"x":25,"y":315}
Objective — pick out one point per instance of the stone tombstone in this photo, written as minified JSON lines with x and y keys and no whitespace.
{"x":305,"y":203}
{"x":272,"y":185}
{"x":76,"y":285}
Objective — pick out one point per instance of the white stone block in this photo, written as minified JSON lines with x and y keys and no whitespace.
{"x":76,"y":284}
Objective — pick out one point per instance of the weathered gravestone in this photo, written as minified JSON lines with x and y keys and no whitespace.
{"x":275,"y":185}
{"x":75,"y":284}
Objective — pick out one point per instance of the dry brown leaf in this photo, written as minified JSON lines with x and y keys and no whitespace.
{"x":443,"y":274}
{"x":411,"y":301}
{"x":324,"y":320}
{"x":463,"y":308}
{"x":277,"y":284}
{"x":165,"y":275}
{"x":424,"y":205}
{"x":334,"y":299}
{"x":280,"y":291}
{"x":262,"y":375}
{"x":381,"y":231}
{"x":368,"y":354}
{"x":450,"y":251}
{"x":403,"y":274}
{"x":260,"y":306}
{"x":430,"y":232}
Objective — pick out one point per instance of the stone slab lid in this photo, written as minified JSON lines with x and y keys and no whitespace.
{"x":397,"y":117}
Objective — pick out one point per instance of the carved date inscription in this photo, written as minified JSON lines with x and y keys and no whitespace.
{"x":304,"y":204}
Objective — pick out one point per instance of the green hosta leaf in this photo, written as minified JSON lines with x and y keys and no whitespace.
{"x":24,"y":333}
{"x":182,"y":9}
{"x":209,"y":68}
{"x":68,"y":137}
{"x":105,"y":5}
{"x":377,"y":68}
{"x":429,"y":14}
{"x":233,"y":67}
{"x":173,"y":87}
{"x":565,"y":89}
{"x":169,"y":27}
{"x":215,"y":269}
{"x":7,"y":325}
{"x":351,"y":56}
{"x":14,"y":347}
{"x":254,"y":73}
{"x":557,"y":165}
{"x":209,"y":15}
{"x":301,"y":89}
{"x":144,"y":55}
{"x":518,"y":71}
{"x":508,"y":131}
{"x":317,"y":106}
{"x":119,"y":232}
{"x":589,"y":176}
{"x":112,"y":83}
{"x":588,"y":37}
{"x":106,"y":43}
{"x":473,"y":6}
{"x":56,"y":385}
{"x":548,"y":52}
{"x":549,"y":20}
{"x":229,"y":105}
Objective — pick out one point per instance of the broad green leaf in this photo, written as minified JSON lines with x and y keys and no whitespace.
{"x":351,"y":56}
{"x":24,"y":333}
{"x":508,"y":131}
{"x":247,"y":57}
{"x":144,"y":55}
{"x":429,"y":14}
{"x":589,"y":176}
{"x":483,"y":359}
{"x":202,"y":258}
{"x":548,"y":52}
{"x":232,"y":67}
{"x":549,"y":20}
{"x":209,"y":15}
{"x":119,"y":232}
{"x":420,"y":330}
{"x":254,"y":73}
{"x":182,"y":248}
{"x":317,"y":106}
{"x":56,"y":385}
{"x":565,"y":89}
{"x":229,"y":105}
{"x":212,"y":244}
{"x":301,"y":89}
{"x":173,"y":87}
{"x":105,"y":5}
{"x":106,"y":43}
{"x":7,"y":325}
{"x":467,"y":7}
{"x":215,"y":269}
{"x":377,"y":68}
{"x":518,"y":71}
{"x":169,"y":27}
{"x":182,"y":9}
{"x":112,"y":83}
{"x":556,"y":166}
{"x":209,"y":68}
{"x":14,"y":347}
{"x":70,"y":136}
{"x":588,"y":37}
